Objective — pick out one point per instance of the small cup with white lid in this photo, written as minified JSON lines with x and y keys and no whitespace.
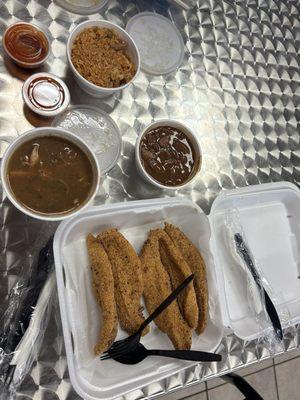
{"x":46,"y":94}
{"x":168,"y":154}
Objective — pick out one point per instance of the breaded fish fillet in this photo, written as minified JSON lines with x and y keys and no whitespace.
{"x":195,"y":260}
{"x":127,"y":272}
{"x":157,"y":287}
{"x":103,"y":285}
{"x":178,"y":271}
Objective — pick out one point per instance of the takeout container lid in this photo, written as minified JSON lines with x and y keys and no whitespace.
{"x":270,"y":218}
{"x":132,"y":50}
{"x":159,"y":42}
{"x":44,"y":95}
{"x":82,"y":7}
{"x":97,"y":129}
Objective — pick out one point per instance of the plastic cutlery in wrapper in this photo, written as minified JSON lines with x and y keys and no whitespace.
{"x":30,"y":345}
{"x":24,"y":322}
{"x":259,"y":291}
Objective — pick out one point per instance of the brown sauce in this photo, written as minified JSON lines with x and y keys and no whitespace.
{"x":46,"y":93}
{"x":26,"y":43}
{"x":50,"y":175}
{"x":168,"y":155}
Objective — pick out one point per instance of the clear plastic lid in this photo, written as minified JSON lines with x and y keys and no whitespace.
{"x":46,"y":94}
{"x":83,"y":7}
{"x":159,"y":42}
{"x":97,"y":129}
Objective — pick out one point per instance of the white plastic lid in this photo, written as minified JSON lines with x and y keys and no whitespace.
{"x":83,"y":7}
{"x":46,"y":94}
{"x":269,"y":220}
{"x":159,"y":42}
{"x":97,"y":129}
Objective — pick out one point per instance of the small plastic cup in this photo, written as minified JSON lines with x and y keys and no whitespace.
{"x":132,"y":50}
{"x":189,"y":133}
{"x":37,"y":133}
{"x":49,"y":95}
{"x":21,"y":63}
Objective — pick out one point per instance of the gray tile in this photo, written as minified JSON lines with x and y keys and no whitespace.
{"x":258,"y":366}
{"x":265,"y":384}
{"x":243,"y":372}
{"x":186,"y":392}
{"x":199,"y":396}
{"x":289,"y":355}
{"x":224,"y":392}
{"x":212,"y":383}
{"x":262,"y":381}
{"x":288,"y":379}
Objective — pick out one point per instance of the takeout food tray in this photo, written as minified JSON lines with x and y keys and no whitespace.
{"x":95,"y":379}
{"x":269,"y":214}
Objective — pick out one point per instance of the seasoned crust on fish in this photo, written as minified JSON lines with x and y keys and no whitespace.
{"x":103,"y":286}
{"x":157,"y":287}
{"x":195,"y":260}
{"x":127,"y":272}
{"x":178,"y":271}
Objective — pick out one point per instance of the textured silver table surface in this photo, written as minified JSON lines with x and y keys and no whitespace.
{"x":239,"y":88}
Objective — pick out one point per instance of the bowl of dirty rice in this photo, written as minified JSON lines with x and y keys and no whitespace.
{"x":103,"y":57}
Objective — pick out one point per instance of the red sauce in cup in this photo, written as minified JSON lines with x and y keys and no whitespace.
{"x":26,"y":44}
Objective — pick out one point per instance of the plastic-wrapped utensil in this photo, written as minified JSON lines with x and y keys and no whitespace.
{"x":30,"y":344}
{"x":22,"y":299}
{"x":259,"y":291}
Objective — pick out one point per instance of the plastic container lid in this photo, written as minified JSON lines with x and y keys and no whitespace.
{"x":97,"y":129}
{"x":83,"y":7}
{"x":46,"y":94}
{"x":159,"y":42}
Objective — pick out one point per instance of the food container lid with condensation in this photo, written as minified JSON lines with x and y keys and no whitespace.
{"x":159,"y":42}
{"x":83,"y":7}
{"x":97,"y":129}
{"x":46,"y":94}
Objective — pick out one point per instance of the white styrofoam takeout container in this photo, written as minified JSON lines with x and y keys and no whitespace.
{"x":95,"y":379}
{"x":270,"y":217}
{"x":132,"y":50}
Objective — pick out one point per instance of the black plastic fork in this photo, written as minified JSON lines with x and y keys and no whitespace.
{"x":128,"y":344}
{"x":139,"y":353}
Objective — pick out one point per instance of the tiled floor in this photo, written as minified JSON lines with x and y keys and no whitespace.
{"x":274,"y":379}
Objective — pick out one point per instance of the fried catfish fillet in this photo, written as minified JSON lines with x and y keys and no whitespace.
{"x":103,"y":286}
{"x":157,"y":287}
{"x":195,"y":260}
{"x":127,"y":272}
{"x":178,"y":271}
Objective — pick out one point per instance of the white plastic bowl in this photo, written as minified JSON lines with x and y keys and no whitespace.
{"x":24,"y":64}
{"x":91,"y":88}
{"x":175,"y":124}
{"x":37,"y":133}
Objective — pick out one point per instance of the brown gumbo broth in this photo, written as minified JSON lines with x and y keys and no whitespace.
{"x":50,"y":175}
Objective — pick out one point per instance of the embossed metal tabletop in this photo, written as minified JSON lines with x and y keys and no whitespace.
{"x":238,"y":88}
